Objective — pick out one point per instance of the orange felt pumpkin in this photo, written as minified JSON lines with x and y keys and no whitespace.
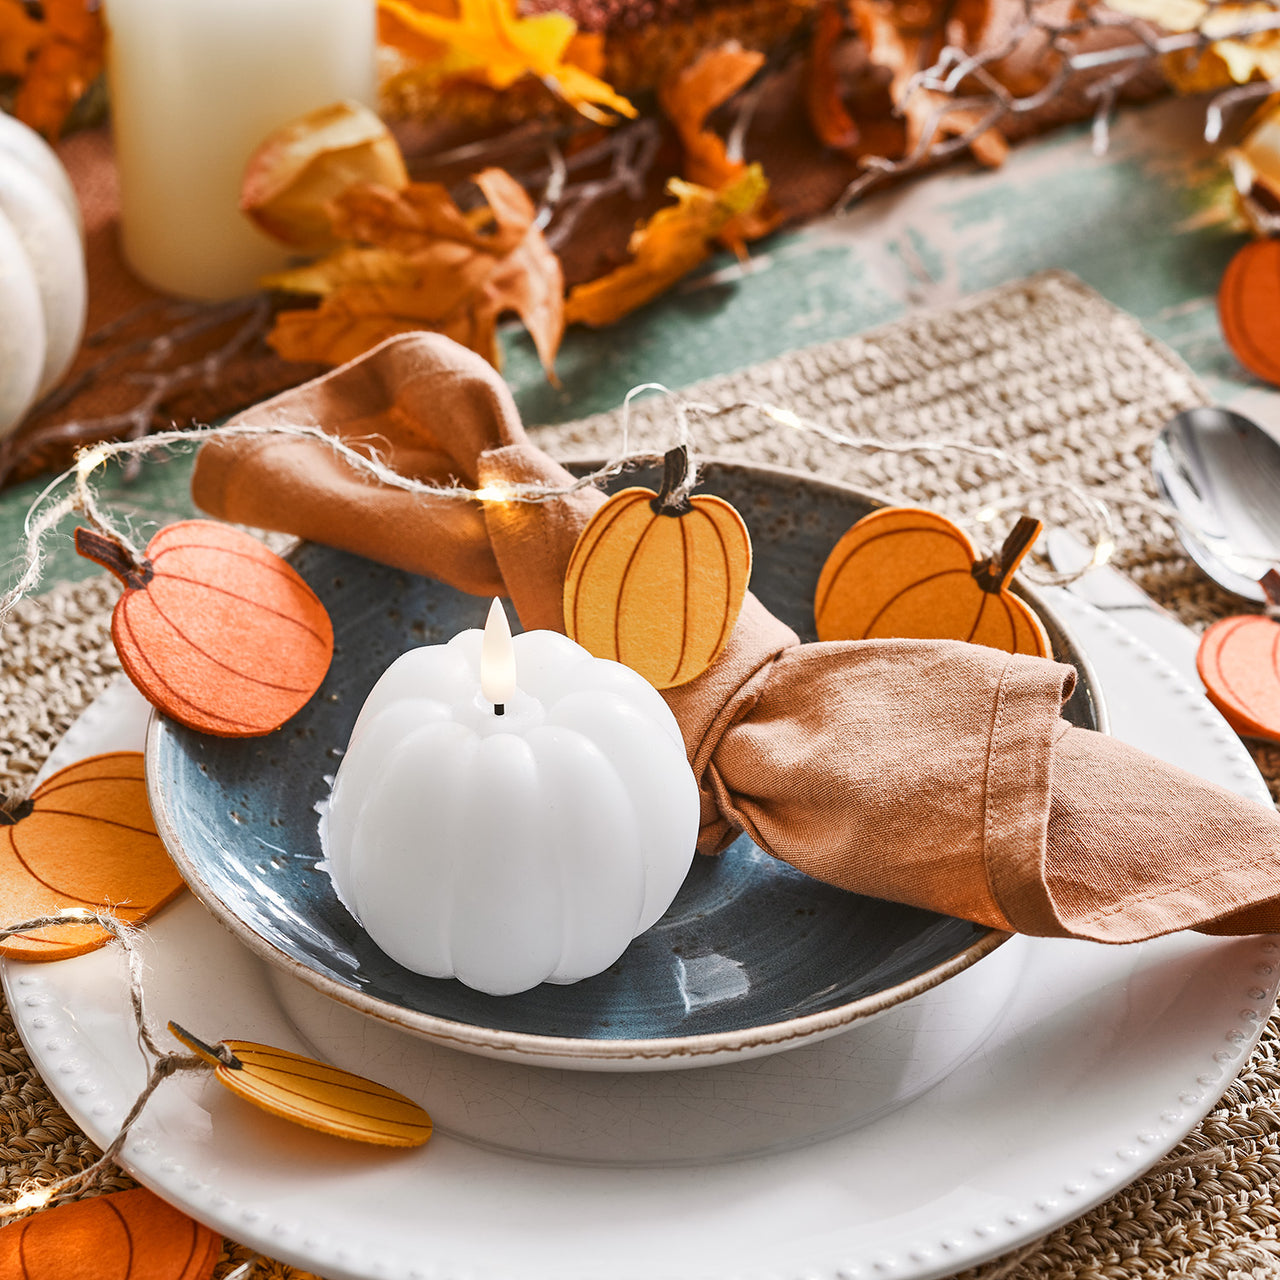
{"x":912,"y":574}
{"x":85,"y":839}
{"x":128,"y":1235}
{"x":1239,"y":662}
{"x":313,"y":1094}
{"x":215,"y":629}
{"x":1249,"y":308}
{"x":657,"y":581}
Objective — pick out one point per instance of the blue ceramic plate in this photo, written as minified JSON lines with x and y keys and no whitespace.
{"x":751,"y":957}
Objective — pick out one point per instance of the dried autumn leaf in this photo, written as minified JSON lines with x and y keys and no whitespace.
{"x":927,"y":113}
{"x":59,"y":67}
{"x":20,"y":36}
{"x":490,"y":40}
{"x":674,"y":241}
{"x":830,"y":119}
{"x":1231,"y":58}
{"x":687,"y":99}
{"x":298,"y":168}
{"x":425,"y":264}
{"x":1255,"y":166}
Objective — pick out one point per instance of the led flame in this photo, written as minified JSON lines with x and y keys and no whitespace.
{"x":497,"y":657}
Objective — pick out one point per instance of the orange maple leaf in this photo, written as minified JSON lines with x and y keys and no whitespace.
{"x":56,"y":63}
{"x":687,"y":99}
{"x":674,"y":241}
{"x":489,"y":40}
{"x":20,"y":36}
{"x":420,"y":262}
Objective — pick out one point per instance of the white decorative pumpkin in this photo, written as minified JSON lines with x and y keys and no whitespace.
{"x":516,"y":848}
{"x":43,"y":286}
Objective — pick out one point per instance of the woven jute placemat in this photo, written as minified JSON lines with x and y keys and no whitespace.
{"x":1042,"y":368}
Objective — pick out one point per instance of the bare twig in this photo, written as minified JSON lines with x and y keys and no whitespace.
{"x":970,"y":84}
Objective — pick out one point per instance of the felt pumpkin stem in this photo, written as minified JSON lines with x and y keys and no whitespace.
{"x":112,"y":556}
{"x":675,"y":469}
{"x":11,"y":814}
{"x":1270,"y":584}
{"x":994,"y":573}
{"x":213,"y":1054}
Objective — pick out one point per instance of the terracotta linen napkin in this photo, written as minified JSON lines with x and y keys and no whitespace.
{"x":934,"y":773}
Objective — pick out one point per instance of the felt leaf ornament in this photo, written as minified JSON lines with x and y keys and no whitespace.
{"x":83,"y":840}
{"x":313,"y":1094}
{"x":128,"y":1235}
{"x":215,"y":629}
{"x":912,"y":574}
{"x":1249,"y":308}
{"x":1239,"y":662}
{"x":657,"y":580}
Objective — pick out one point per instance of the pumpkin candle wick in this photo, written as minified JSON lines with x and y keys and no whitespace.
{"x":497,"y":659}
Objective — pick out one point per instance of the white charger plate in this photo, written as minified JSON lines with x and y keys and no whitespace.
{"x":1102,"y":1058}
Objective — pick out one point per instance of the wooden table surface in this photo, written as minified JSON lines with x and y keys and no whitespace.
{"x":1149,"y":225}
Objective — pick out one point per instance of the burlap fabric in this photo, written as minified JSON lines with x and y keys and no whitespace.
{"x":1043,"y":367}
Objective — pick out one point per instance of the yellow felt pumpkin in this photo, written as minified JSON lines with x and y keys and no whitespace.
{"x":657,"y":580}
{"x":907,"y":573}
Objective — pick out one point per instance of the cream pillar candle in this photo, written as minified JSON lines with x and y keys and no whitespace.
{"x":195,"y":86}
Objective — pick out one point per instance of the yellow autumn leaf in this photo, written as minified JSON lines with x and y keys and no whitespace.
{"x":488,"y":37}
{"x":1232,"y":58}
{"x":674,"y":241}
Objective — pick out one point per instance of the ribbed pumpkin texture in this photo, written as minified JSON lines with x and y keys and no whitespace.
{"x":214,"y":629}
{"x":313,"y":1094}
{"x":85,"y":839}
{"x":658,"y":589}
{"x":911,"y":574}
{"x":1239,"y":662}
{"x":128,"y":1235}
{"x":1249,"y":308}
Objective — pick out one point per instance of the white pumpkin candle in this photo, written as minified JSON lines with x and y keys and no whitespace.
{"x":516,"y":848}
{"x":195,"y":86}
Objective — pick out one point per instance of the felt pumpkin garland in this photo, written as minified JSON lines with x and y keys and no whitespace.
{"x":657,"y":580}
{"x":1239,"y":662}
{"x":912,"y":574}
{"x":85,"y":839}
{"x":1249,"y":308}
{"x":313,"y":1094}
{"x":128,"y":1235}
{"x":214,"y":629}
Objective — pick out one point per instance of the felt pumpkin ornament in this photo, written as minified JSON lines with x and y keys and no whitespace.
{"x":313,"y":1094}
{"x":84,"y":839}
{"x":912,"y":574}
{"x":657,"y":580}
{"x":128,"y":1235}
{"x":1239,"y":662}
{"x":216,"y":631}
{"x":1249,"y":308}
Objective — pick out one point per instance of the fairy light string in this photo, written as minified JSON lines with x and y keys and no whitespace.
{"x":162,"y":1063}
{"x":73,"y":492}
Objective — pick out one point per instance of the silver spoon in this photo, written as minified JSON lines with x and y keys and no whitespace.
{"x":1221,"y":471}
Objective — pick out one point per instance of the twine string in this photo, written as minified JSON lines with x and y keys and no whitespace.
{"x":163,"y":1062}
{"x":363,"y":457}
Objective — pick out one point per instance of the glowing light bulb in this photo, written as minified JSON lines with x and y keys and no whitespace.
{"x":497,"y":658}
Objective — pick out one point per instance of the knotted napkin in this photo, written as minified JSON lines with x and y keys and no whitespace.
{"x":934,"y":773}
